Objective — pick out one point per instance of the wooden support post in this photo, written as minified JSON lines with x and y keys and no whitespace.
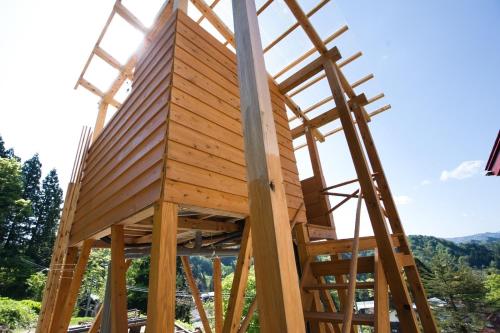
{"x":217,"y":281}
{"x":162,"y":273}
{"x":237,"y":296}
{"x":65,"y":284}
{"x":246,"y":321}
{"x":397,"y":284}
{"x":101,"y":118}
{"x":196,"y":294}
{"x":61,"y":320}
{"x":276,"y":274}
{"x":424,"y":311}
{"x":382,"y":323}
{"x":119,"y":320}
{"x":353,"y":271}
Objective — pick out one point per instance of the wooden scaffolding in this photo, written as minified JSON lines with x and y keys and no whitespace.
{"x":199,"y":159}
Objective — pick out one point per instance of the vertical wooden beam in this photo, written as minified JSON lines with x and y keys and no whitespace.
{"x":162,"y":274}
{"x":396,"y":281}
{"x":276,"y":274}
{"x":217,"y":281}
{"x":101,"y":118}
{"x":65,"y":284}
{"x":119,"y":320}
{"x":237,"y":297}
{"x":196,"y":294}
{"x":61,"y":320}
{"x":424,"y":311}
{"x":382,"y":323}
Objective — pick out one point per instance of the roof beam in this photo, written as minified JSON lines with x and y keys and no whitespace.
{"x":308,"y":71}
{"x":210,"y":15}
{"x":294,"y":26}
{"x":107,"y":57}
{"x":129,"y":17}
{"x":327,"y":117}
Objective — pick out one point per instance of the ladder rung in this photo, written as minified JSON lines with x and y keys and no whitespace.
{"x":344,"y":245}
{"x":338,"y":267}
{"x":337,"y":317}
{"x":328,"y":286}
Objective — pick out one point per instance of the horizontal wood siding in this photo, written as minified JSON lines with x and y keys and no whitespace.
{"x":124,"y":168}
{"x":206,"y":161}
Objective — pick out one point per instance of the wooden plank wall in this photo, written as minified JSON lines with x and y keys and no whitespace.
{"x":123,"y":170}
{"x":206,"y":162}
{"x":316,"y":203}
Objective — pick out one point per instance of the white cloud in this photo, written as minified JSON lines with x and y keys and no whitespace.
{"x":466,"y":169}
{"x":425,"y":182}
{"x":402,"y":199}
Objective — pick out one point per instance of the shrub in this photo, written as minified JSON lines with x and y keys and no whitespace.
{"x":16,"y":314}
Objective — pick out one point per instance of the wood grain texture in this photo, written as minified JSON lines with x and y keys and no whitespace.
{"x":162,"y":276}
{"x":206,"y":163}
{"x":119,"y":322}
{"x":275,"y":268}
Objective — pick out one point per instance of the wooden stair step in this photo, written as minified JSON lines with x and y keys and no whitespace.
{"x":337,"y":318}
{"x":328,"y":286}
{"x":338,"y":267}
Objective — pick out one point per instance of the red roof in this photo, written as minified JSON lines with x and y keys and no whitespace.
{"x":493,"y":164}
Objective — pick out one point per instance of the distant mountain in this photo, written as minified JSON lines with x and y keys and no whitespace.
{"x":478,"y":252}
{"x":484,"y":237}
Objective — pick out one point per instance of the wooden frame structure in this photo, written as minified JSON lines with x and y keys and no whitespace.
{"x":199,"y":158}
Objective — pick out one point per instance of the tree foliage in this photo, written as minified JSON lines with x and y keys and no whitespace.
{"x":29,"y":214}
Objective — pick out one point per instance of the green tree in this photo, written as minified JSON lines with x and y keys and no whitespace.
{"x":7,"y":153}
{"x":250,"y":293}
{"x":48,"y":210}
{"x":31,"y":174}
{"x":36,"y":283}
{"x":13,"y":208}
{"x":492,"y":285}
{"x":460,"y":287}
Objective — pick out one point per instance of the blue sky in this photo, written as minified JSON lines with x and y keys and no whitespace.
{"x":439,"y":65}
{"x":438,"y":62}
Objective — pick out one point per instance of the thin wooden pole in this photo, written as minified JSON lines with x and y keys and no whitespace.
{"x":353,"y":271}
{"x":217,"y":281}
{"x":94,"y":328}
{"x":384,"y":243}
{"x":246,"y":321}
{"x":62,"y":320}
{"x":276,"y":273}
{"x":237,"y":297}
{"x":196,"y":294}
{"x":382,"y":323}
{"x":162,"y":274}
{"x":119,"y":320}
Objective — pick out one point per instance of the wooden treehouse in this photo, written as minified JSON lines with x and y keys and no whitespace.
{"x":199,"y":159}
